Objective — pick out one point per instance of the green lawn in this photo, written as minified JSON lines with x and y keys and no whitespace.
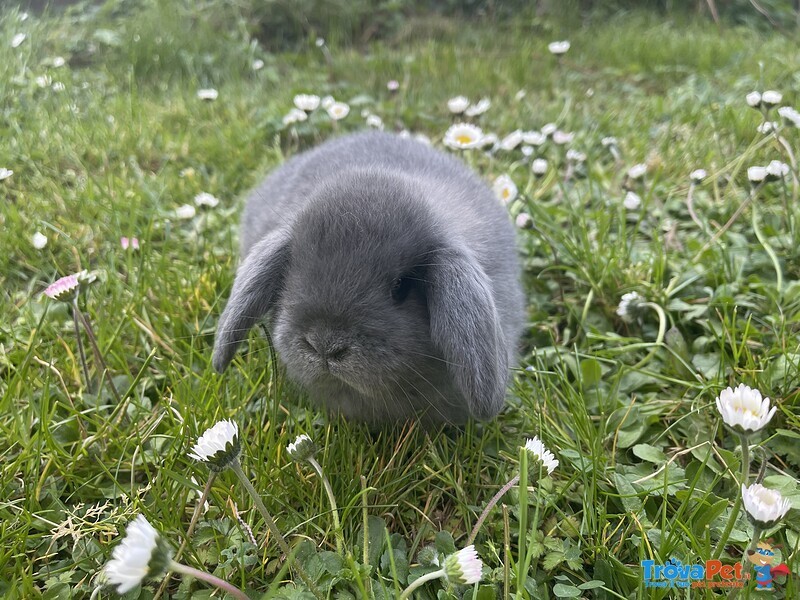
{"x":113,"y":142}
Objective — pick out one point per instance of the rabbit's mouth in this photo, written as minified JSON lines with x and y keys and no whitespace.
{"x":342,"y":376}
{"x":341,"y":382}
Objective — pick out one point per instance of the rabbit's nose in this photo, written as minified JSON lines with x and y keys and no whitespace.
{"x":328,"y":347}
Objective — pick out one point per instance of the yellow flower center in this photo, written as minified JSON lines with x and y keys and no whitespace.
{"x":464,"y":138}
{"x":747,"y":411}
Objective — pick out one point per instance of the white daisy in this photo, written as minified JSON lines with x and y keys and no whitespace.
{"x":392,"y":85}
{"x":59,"y":87}
{"x":5,"y":173}
{"x":206,"y":199}
{"x":527,"y":150}
{"x":790,"y":115}
{"x":489,"y":139}
{"x":218,"y":446}
{"x":609,"y":141}
{"x":338,"y":110}
{"x":549,"y":129}
{"x":637,"y":171}
{"x":558,"y":48}
{"x":562,"y":137}
{"x":777,"y":170}
{"x":306,"y":102}
{"x":462,"y":136}
{"x":18,"y":39}
{"x":458,"y":104}
{"x":756,"y":174}
{"x":767,"y":127}
{"x":632,"y":201}
{"x":43,"y":81}
{"x":574,"y":156}
{"x":478,"y":109}
{"x":207,"y":94}
{"x":39,"y":240}
{"x":58,"y":62}
{"x":753,"y":99}
{"x":185,"y":211}
{"x":295,"y":115}
{"x":302,"y":448}
{"x":512,"y":140}
{"x":464,"y":567}
{"x":374,"y":121}
{"x":771,"y":98}
{"x":327,"y":102}
{"x":539,"y":166}
{"x":505,"y":189}
{"x":630,"y":306}
{"x":535,"y":446}
{"x":138,"y":556}
{"x":422,"y":139}
{"x":257,"y":64}
{"x":698,"y":175}
{"x":534,"y":138}
{"x":743,"y":409}
{"x":764,"y":506}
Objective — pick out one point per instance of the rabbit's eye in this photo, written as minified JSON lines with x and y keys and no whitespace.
{"x":401,"y":288}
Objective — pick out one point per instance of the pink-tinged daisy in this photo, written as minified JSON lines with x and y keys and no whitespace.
{"x":464,"y":567}
{"x":64,"y":289}
{"x":132,"y":243}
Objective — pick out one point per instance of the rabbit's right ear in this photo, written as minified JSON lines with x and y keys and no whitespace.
{"x":255,"y":291}
{"x":465,"y":328}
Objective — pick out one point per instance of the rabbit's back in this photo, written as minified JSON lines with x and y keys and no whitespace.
{"x":287,"y":190}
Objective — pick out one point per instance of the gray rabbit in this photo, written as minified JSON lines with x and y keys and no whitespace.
{"x":390,"y":279}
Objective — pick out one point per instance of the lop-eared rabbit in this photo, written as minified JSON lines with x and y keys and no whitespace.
{"x":389,"y":277}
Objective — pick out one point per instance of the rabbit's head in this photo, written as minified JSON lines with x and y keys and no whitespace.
{"x":374,"y":306}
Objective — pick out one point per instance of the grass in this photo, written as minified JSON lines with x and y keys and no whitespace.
{"x":647,"y":471}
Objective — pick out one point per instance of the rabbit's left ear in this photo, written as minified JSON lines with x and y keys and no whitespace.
{"x":465,"y":328}
{"x":255,"y":291}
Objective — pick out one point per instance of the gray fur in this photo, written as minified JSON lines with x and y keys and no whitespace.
{"x":324,"y":240}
